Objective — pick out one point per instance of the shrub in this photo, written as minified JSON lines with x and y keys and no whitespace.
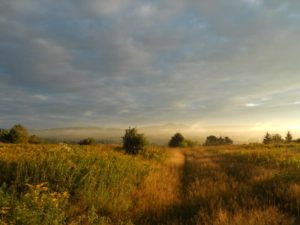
{"x":133,"y":142}
{"x":18,"y":134}
{"x":190,"y":143}
{"x":177,"y":141}
{"x":88,"y":141}
{"x":33,"y":139}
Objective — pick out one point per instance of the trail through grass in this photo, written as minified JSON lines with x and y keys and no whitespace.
{"x":100,"y":185}
{"x":216,"y":188}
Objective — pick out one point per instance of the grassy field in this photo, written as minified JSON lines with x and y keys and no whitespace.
{"x":222,"y":185}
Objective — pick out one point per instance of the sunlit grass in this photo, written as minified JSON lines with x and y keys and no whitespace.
{"x":219,"y":185}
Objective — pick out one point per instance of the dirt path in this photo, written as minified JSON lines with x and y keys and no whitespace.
{"x":177,"y":158}
{"x":201,"y":186}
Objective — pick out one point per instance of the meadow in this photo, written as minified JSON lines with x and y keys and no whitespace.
{"x":100,"y":184}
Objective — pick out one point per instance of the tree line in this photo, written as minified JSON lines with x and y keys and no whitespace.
{"x":18,"y":134}
{"x":277,"y":139}
{"x":133,"y":142}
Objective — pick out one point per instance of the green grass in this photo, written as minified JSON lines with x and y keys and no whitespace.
{"x":87,"y":181}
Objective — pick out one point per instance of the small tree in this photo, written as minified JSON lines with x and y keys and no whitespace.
{"x":288,"y":137}
{"x":18,"y":134}
{"x":87,"y":141}
{"x":267,"y":139}
{"x":177,"y":140}
{"x":133,"y":142}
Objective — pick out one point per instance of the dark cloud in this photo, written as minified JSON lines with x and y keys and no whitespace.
{"x":140,"y":62}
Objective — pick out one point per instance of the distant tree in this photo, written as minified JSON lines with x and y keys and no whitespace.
{"x":177,"y":141}
{"x":267,"y":139}
{"x":228,"y":141}
{"x":133,"y":142}
{"x":213,"y":140}
{"x":18,"y":134}
{"x":276,"y":139}
{"x":288,"y":137}
{"x":5,"y":136}
{"x":88,"y":141}
{"x":297,"y":141}
{"x":34,"y":139}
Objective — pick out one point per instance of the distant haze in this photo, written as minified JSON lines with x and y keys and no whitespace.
{"x":224,"y":67}
{"x":159,"y":134}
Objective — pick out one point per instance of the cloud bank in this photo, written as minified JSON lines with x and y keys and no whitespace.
{"x":127,"y":62}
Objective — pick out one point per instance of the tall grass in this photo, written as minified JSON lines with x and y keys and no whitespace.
{"x":219,"y":185}
{"x":98,"y":181}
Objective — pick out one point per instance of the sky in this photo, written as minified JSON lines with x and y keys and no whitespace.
{"x":132,"y":63}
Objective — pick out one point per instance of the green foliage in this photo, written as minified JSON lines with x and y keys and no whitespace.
{"x":213,"y":140}
{"x":37,"y":205}
{"x":18,"y":134}
{"x":177,"y":141}
{"x":133,"y":142}
{"x":44,"y":182}
{"x":88,"y":141}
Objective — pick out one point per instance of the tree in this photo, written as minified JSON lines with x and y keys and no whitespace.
{"x":213,"y":140}
{"x":4,"y":136}
{"x":228,"y":141}
{"x":87,"y":141}
{"x":276,"y":139}
{"x":267,"y":139}
{"x":288,"y":137}
{"x":133,"y":142}
{"x":18,"y":134}
{"x":177,"y":140}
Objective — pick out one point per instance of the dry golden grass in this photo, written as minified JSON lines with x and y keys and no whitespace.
{"x":220,"y":185}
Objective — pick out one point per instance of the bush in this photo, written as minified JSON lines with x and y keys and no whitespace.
{"x":177,"y":141}
{"x":190,"y":143}
{"x":133,"y":142}
{"x":88,"y":141}
{"x":18,"y":134}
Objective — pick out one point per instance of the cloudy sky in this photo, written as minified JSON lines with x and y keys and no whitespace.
{"x":128,"y":62}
